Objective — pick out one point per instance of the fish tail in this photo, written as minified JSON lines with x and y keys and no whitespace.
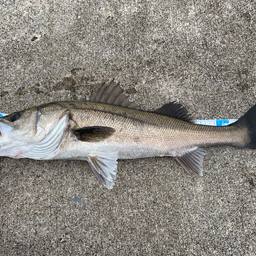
{"x":248,"y":123}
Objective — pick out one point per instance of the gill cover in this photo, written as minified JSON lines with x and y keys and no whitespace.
{"x":29,"y":134}
{"x":50,"y":144}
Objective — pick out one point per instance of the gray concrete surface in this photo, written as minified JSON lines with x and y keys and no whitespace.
{"x":199,"y":53}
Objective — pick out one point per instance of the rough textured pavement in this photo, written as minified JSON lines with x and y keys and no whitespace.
{"x":199,"y":53}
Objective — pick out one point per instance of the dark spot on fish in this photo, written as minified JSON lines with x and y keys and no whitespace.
{"x":124,"y":114}
{"x":34,"y":38}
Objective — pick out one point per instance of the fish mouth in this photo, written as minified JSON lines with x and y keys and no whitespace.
{"x":4,"y":130}
{"x":5,"y":145}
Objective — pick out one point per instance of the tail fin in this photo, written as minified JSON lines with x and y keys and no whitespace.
{"x":248,"y":120}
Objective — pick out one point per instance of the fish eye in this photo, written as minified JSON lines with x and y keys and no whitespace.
{"x":15,"y":116}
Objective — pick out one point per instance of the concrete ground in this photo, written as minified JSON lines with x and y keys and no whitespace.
{"x":199,"y":53}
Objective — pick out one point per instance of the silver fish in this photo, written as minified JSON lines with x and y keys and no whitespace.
{"x":108,"y":127}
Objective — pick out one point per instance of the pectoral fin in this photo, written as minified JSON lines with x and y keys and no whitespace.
{"x":104,"y":166}
{"x":192,"y":162}
{"x":93,"y":133}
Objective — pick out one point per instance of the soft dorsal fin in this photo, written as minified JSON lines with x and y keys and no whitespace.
{"x":175,"y":110}
{"x":112,"y":94}
{"x":93,"y":133}
{"x":192,"y":162}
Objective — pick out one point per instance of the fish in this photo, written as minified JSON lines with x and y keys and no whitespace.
{"x":108,"y":127}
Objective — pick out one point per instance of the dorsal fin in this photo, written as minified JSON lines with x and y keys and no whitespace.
{"x":112,"y":94}
{"x":175,"y":110}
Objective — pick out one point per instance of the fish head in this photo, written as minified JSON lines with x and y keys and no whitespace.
{"x":32,"y":133}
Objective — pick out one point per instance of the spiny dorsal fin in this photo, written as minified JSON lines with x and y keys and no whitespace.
{"x":104,"y":166}
{"x":93,"y":133}
{"x":175,"y":110}
{"x":112,"y":94}
{"x":192,"y":162}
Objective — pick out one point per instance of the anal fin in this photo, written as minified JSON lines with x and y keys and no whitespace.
{"x":192,"y":162}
